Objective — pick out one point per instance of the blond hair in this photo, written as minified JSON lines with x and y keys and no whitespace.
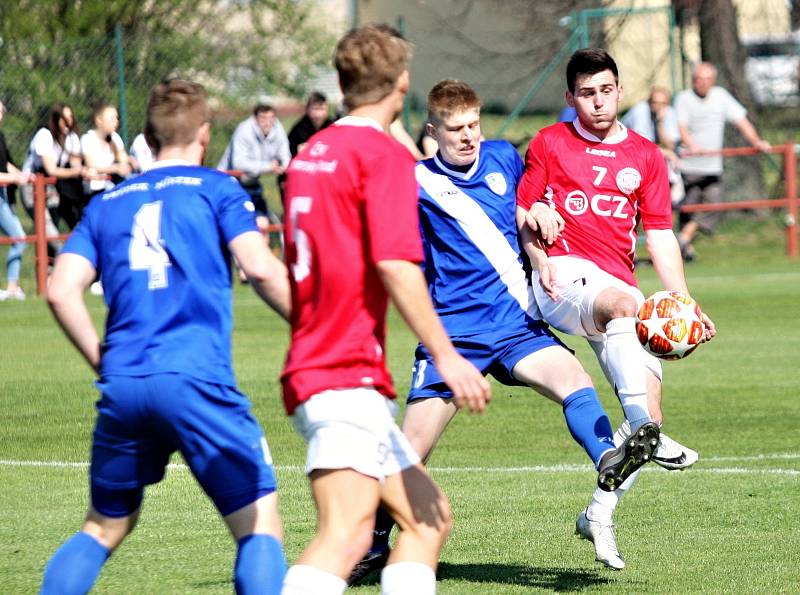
{"x":176,"y":111}
{"x":449,"y":97}
{"x":369,"y":61}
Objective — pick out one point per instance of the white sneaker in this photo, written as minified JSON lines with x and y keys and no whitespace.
{"x":603,"y":538}
{"x":673,"y":455}
{"x":17,"y":294}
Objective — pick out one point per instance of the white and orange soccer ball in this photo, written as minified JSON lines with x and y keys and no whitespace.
{"x":669,"y":325}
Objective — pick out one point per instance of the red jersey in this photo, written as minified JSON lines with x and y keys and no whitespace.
{"x":602,"y":189}
{"x":350,"y":202}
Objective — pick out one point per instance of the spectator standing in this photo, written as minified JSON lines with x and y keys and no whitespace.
{"x":104,"y":152}
{"x":9,"y":222}
{"x":315,"y":119}
{"x":141,"y":156}
{"x":259,"y":146}
{"x":655,"y":120}
{"x":702,"y":112}
{"x":55,"y":151}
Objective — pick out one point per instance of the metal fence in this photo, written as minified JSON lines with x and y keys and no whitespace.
{"x":116,"y":69}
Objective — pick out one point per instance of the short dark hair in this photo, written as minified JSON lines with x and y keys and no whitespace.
{"x":316,"y":97}
{"x":262,"y":108}
{"x":589,"y":61}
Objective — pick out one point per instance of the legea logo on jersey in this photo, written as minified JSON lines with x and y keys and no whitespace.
{"x":628,"y":180}
{"x":318,"y":149}
{"x":497,"y":183}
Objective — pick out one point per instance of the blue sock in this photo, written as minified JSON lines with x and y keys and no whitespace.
{"x":75,"y":566}
{"x":260,"y":565}
{"x":588,"y":423}
{"x":383,"y":529}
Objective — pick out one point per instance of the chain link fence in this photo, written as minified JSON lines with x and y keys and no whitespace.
{"x":120,"y":70}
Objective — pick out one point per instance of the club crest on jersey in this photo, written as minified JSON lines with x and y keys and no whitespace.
{"x":318,"y":149}
{"x":497,"y":183}
{"x":628,"y":180}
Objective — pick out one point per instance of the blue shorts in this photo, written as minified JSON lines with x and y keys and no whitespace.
{"x":142,"y":420}
{"x":495,"y":352}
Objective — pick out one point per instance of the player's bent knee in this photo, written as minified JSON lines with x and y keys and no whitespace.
{"x":623,"y":305}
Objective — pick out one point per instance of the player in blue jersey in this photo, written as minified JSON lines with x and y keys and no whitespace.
{"x":162,"y":243}
{"x":473,"y":265}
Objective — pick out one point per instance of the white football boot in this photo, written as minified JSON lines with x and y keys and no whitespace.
{"x":604,"y":540}
{"x":669,"y":454}
{"x":673,"y":455}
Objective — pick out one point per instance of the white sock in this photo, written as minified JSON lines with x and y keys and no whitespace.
{"x":603,"y":503}
{"x":408,"y":578}
{"x":626,"y":362}
{"x":309,"y":580}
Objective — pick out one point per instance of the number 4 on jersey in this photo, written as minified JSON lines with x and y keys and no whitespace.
{"x":146,"y":251}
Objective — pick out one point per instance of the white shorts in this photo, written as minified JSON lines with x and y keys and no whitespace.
{"x":578,"y":283}
{"x":353,"y":428}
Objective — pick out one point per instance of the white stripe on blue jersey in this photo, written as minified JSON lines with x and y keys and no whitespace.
{"x":472,"y":257}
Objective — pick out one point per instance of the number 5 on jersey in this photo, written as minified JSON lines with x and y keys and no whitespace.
{"x":301,"y":268}
{"x":146,"y":251}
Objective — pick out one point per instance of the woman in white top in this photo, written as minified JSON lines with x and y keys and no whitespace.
{"x":55,"y":151}
{"x":104,"y":152}
{"x":141,"y":156}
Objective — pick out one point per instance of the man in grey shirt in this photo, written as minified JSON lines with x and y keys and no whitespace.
{"x":702,"y":113}
{"x":259,"y":146}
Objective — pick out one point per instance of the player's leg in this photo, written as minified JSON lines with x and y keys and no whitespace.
{"x":225,"y":448}
{"x":669,"y":454}
{"x":426,"y":416}
{"x":423,"y":516}
{"x":424,"y":422}
{"x":533,"y":356}
{"x":124,"y":459}
{"x":614,"y":312}
{"x":75,"y":566}
{"x":556,"y":373}
{"x":346,"y":501}
{"x":350,"y":439}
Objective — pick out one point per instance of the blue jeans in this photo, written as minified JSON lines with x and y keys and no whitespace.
{"x":10,"y":225}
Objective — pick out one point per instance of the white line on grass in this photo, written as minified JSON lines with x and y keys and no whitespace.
{"x":523,"y":469}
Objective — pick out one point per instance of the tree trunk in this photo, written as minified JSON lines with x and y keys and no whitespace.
{"x":720,"y":45}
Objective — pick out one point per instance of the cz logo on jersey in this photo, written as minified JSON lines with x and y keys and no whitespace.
{"x":497,"y":183}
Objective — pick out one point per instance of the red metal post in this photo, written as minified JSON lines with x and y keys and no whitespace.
{"x":40,"y":232}
{"x":790,"y":170}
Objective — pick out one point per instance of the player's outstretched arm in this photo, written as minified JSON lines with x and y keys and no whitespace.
{"x":405,"y":284}
{"x":71,"y":276}
{"x":538,"y":257}
{"x":666,"y":256}
{"x":267,"y":275}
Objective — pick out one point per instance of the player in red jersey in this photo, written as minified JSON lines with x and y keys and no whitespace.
{"x":586,"y":187}
{"x":352,"y":241}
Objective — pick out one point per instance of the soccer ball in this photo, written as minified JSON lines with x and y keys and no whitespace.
{"x":669,"y":325}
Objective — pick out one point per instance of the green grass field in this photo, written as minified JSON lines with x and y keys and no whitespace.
{"x":515,"y":478}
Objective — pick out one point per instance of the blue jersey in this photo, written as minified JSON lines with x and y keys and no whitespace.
{"x":469,"y":232}
{"x":160,"y":242}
